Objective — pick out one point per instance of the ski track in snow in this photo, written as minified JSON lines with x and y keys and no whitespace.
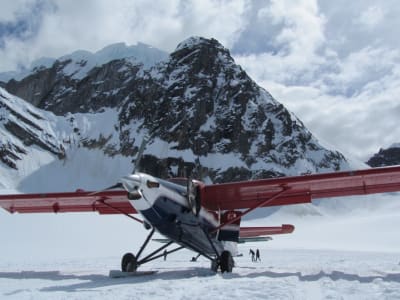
{"x":282,"y":274}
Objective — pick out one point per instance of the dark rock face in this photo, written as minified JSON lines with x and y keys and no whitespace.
{"x":199,"y":102}
{"x":385,"y":157}
{"x":21,"y":128}
{"x":51,"y":89}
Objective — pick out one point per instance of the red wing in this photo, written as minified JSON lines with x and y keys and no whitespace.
{"x":246,"y":232}
{"x":299,"y":189}
{"x":108,"y":202}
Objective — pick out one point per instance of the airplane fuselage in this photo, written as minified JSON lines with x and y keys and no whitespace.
{"x":164,"y":205}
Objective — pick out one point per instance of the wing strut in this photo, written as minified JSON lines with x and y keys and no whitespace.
{"x":102,"y":201}
{"x":285,"y":189}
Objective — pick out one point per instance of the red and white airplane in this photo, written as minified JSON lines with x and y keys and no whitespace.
{"x":204,"y":218}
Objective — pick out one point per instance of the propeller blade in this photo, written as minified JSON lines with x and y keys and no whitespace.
{"x":140,"y":154}
{"x":117,"y":185}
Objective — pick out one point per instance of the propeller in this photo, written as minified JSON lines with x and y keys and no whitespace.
{"x":139,"y":155}
{"x":192,"y":195}
{"x":115,"y":186}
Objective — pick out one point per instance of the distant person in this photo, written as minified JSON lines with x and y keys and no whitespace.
{"x":165,"y":254}
{"x":258,"y":255}
{"x":195,"y":258}
{"x":251,"y":252}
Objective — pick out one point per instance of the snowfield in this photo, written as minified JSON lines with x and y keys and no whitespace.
{"x":282,"y":274}
{"x":351,"y":252}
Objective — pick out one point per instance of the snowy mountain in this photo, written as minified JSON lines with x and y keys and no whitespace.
{"x":386,"y":157}
{"x":78,"y":63}
{"x":205,"y":117}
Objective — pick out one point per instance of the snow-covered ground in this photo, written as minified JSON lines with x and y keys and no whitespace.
{"x":282,"y":274}
{"x":341,"y":249}
{"x":350,"y":252}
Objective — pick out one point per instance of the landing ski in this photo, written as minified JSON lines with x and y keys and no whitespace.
{"x":120,"y":274}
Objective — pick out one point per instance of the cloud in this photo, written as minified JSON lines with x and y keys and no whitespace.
{"x":335,"y":64}
{"x":336,"y":67}
{"x":302,"y":25}
{"x":371,"y":16}
{"x":10,"y":10}
{"x":357,"y":126}
{"x":295,"y":40}
{"x":93,"y":24}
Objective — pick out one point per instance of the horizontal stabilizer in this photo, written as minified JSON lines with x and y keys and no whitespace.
{"x":254,"y":239}
{"x":246,"y":232}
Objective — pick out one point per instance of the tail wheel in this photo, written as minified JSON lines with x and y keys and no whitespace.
{"x":226,"y":262}
{"x":129,"y":263}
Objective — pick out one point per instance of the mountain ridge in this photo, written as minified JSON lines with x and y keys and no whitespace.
{"x":143,"y":53}
{"x":386,"y":157}
{"x":205,"y":116}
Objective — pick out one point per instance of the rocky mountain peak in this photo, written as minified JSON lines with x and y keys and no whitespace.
{"x":23,"y":127}
{"x":209,"y":117}
{"x":386,"y":157}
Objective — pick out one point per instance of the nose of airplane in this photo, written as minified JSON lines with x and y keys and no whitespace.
{"x":131,"y":182}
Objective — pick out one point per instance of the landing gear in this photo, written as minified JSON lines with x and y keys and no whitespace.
{"x":129,"y":263}
{"x":225,"y":262}
{"x":214,"y":265}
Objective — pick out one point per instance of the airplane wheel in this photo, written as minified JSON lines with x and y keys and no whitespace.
{"x":129,"y":263}
{"x":227,"y":262}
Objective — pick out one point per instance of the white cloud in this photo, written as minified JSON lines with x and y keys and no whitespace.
{"x":10,"y":10}
{"x":299,"y":38}
{"x":302,"y":29}
{"x":357,"y":126}
{"x":334,"y":63}
{"x":371,"y":16}
{"x":337,"y":68}
{"x":359,"y":70}
{"x":93,"y":24}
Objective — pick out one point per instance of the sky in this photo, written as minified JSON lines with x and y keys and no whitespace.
{"x":334,"y":64}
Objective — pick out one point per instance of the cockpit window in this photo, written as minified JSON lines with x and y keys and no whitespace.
{"x":179,"y":180}
{"x":180,"y":188}
{"x":152,"y":184}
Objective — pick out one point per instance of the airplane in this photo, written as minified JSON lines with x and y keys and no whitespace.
{"x":204,"y":218}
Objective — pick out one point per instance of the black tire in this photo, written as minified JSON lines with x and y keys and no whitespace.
{"x":226,"y":262}
{"x":129,"y":263}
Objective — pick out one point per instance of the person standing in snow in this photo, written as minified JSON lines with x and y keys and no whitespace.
{"x":165,"y":254}
{"x":251,"y":252}
{"x":258,"y":255}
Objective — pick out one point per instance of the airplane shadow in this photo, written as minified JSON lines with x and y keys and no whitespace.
{"x":93,"y":281}
{"x":334,"y":275}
